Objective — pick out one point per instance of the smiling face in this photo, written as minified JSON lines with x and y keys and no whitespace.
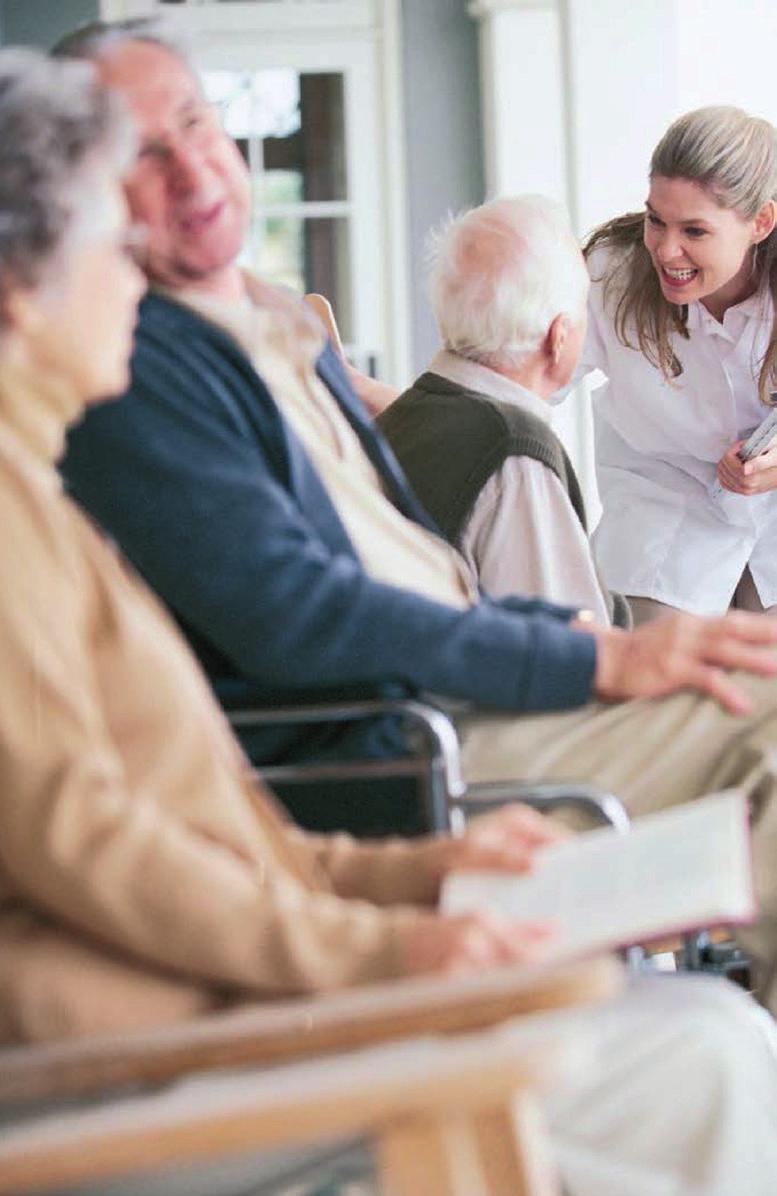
{"x":189,"y":186}
{"x":700,"y":250}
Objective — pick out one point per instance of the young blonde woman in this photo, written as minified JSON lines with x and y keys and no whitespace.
{"x":682,"y":322}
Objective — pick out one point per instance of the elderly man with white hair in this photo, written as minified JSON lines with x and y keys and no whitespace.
{"x":508,"y":288}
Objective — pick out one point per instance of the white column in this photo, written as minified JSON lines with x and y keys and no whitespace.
{"x":622,"y":84}
{"x":575,"y":95}
{"x":525,"y":87}
{"x":522,"y":95}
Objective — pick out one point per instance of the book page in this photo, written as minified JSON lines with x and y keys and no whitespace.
{"x":680,"y":869}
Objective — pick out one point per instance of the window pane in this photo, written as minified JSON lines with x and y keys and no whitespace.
{"x":287,"y":123}
{"x":307,"y":255}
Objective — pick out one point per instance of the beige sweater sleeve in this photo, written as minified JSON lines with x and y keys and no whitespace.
{"x":382,"y":872}
{"x":120,"y":866}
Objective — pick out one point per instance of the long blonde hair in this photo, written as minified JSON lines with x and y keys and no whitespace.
{"x":734,"y":157}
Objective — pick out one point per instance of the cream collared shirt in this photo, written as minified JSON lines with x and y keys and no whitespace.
{"x":284,"y":343}
{"x":523,"y":536}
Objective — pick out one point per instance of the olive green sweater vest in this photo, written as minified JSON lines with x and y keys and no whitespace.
{"x":450,"y":440}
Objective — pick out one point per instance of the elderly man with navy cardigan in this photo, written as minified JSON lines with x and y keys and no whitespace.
{"x":244,"y":479}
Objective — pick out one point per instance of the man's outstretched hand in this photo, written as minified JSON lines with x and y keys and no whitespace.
{"x":681,"y":651}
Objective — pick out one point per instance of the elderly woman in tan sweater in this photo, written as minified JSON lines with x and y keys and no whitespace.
{"x":144,"y":875}
{"x":142,"y":868}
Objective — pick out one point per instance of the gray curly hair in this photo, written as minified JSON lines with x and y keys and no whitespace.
{"x":54,"y":121}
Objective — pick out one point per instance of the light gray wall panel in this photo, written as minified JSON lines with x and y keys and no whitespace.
{"x":42,"y":22}
{"x":442,"y":119}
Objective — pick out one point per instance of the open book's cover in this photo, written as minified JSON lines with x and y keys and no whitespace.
{"x":675,"y":871}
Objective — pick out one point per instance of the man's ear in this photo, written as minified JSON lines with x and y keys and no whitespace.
{"x":765,"y":219}
{"x":556,"y":339}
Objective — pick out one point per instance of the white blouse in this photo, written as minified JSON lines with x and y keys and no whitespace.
{"x":662,"y":534}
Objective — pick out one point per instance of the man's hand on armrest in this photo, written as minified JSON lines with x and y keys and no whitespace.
{"x":682,"y":651}
{"x":376,"y":396}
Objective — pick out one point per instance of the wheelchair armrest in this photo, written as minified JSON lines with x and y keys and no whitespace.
{"x":450,"y":798}
{"x":604,"y":809}
{"x":431,"y":727}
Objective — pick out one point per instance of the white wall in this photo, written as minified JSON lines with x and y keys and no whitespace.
{"x":444,"y":170}
{"x":634,"y":67}
{"x":623,"y":92}
{"x":727,"y":53}
{"x":524,"y":154}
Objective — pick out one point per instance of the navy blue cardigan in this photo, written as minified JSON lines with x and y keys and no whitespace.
{"x":210,"y":494}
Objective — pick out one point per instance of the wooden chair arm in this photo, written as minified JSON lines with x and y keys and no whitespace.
{"x":274,"y":1033}
{"x":417,"y":1092}
{"x":323,"y":309}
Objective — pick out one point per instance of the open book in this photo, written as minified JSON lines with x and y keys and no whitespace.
{"x":681,"y":869}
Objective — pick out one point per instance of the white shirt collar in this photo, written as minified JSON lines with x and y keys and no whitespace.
{"x":474,"y":376}
{"x":735,"y":318}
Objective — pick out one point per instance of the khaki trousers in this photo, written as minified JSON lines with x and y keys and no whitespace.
{"x":745,"y":597}
{"x":653,"y":754}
